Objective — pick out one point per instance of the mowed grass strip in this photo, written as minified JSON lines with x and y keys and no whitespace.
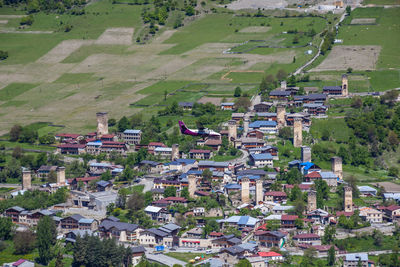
{"x":74,"y":78}
{"x":85,"y":51}
{"x":155,"y":92}
{"x":15,"y":89}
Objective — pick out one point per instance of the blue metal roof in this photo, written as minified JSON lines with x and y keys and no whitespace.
{"x":307,"y":165}
{"x":233,"y":186}
{"x":251,"y":177}
{"x":243,"y":220}
{"x":258,"y":124}
{"x":262,"y":156}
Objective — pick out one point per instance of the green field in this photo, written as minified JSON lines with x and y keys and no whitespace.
{"x":386,"y":33}
{"x":337,"y":128}
{"x":14,"y":89}
{"x":186,"y":257}
{"x":381,"y":2}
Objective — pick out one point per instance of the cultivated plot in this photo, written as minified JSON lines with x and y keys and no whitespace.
{"x":356,"y":57}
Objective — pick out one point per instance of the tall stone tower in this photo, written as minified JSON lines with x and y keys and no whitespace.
{"x":259,"y":191}
{"x":297,"y":132}
{"x":345,"y":85}
{"x":336,"y":163}
{"x":192,"y":185}
{"x":61,"y":175}
{"x":102,"y":124}
{"x":26,"y":179}
{"x":348,"y":199}
{"x":312,"y":201}
{"x":305,"y":154}
{"x":232,"y":131}
{"x":245,"y":190}
{"x":246,"y":123}
{"x":175,"y":152}
{"x":280,"y":116}
{"x":283,"y":85}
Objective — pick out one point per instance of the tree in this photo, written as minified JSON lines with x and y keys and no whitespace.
{"x":211,"y":226}
{"x":243,"y":263}
{"x":207,"y":175}
{"x":185,"y":193}
{"x":281,"y":75}
{"x":15,"y":132}
{"x":46,"y":239}
{"x":59,"y":260}
{"x":106,"y":176}
{"x":24,"y":242}
{"x":135,"y":201}
{"x":329,"y":235}
{"x":393,"y":139}
{"x":238,"y":92}
{"x":17,"y":152}
{"x":331,"y":256}
{"x":6,"y":228}
{"x":123,"y":124}
{"x":299,"y":223}
{"x":170,"y":191}
{"x":348,"y":10}
{"x":349,"y":70}
{"x":299,"y":207}
{"x":52,"y":178}
{"x":309,"y":257}
{"x":243,"y":102}
{"x":41,"y":159}
{"x":295,"y":193}
{"x":127,"y":174}
{"x":378,"y":237}
{"x":393,"y":171}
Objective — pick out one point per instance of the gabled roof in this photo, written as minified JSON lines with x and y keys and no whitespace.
{"x":306,"y":235}
{"x":258,"y":124}
{"x":139,"y":249}
{"x":279,"y":93}
{"x":157,"y":232}
{"x":108,"y":224}
{"x":269,"y":254}
{"x":169,"y":227}
{"x":262,"y":156}
{"x":276,"y":194}
{"x":132,"y":131}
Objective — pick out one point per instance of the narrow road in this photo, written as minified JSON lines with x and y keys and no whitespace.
{"x":300,"y":70}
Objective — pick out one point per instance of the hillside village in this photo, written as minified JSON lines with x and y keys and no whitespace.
{"x":246,"y":208}
{"x":243,"y":133}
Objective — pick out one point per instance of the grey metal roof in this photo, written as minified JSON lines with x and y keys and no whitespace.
{"x":356,"y":257}
{"x":170,"y":227}
{"x":157,"y":232}
{"x":108,"y":224}
{"x":138,"y":249}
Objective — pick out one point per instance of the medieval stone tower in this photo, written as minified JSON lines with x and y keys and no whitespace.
{"x":280,"y":116}
{"x":245,"y":190}
{"x":297,"y":132}
{"x":348,"y":199}
{"x":192,"y":185}
{"x":26,"y":179}
{"x":305,"y":154}
{"x":232,"y":131}
{"x":102,"y":124}
{"x":345,"y":85}
{"x":259,"y":192}
{"x":336,"y":163}
{"x":312,"y":201}
{"x":61,"y":175}
{"x":175,"y":152}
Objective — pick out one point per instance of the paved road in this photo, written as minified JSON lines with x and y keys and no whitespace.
{"x":147,"y":182}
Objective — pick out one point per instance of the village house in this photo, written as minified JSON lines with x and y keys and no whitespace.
{"x":255,"y":134}
{"x":158,"y":214}
{"x":44,"y":171}
{"x":13,"y":213}
{"x":186,"y":105}
{"x":261,"y":160}
{"x":269,"y":238}
{"x":355,"y":259}
{"x":288,"y":221}
{"x":200,"y":154}
{"x":237,"y":117}
{"x":163,"y":152}
{"x":315,"y":109}
{"x":111,"y":227}
{"x":275,"y":196}
{"x":266,"y":116}
{"x":227,"y":106}
{"x":307,"y":238}
{"x":263,"y":107}
{"x":71,"y":149}
{"x":268,"y":127}
{"x":249,"y":143}
{"x":137,"y":254}
{"x":131,"y":136}
{"x":371,"y":215}
{"x":218,"y":166}
{"x":280,"y":95}
{"x":151,"y":166}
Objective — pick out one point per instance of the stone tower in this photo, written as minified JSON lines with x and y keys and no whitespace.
{"x":175,"y":152}
{"x":283,"y":85}
{"x":246,"y":123}
{"x":297,"y":132}
{"x":280,"y":116}
{"x":192,"y":185}
{"x":102,"y":124}
{"x":336,"y":163}
{"x":61,"y":175}
{"x":259,"y":192}
{"x":232,"y":131}
{"x":245,"y":190}
{"x":348,"y":199}
{"x":305,"y":154}
{"x":345,"y":85}
{"x":312,"y":201}
{"x":26,"y":179}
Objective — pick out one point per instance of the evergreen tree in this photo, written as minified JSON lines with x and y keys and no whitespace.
{"x":331,"y":256}
{"x":46,"y":239}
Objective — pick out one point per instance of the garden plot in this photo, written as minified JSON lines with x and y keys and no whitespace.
{"x":257,"y":4}
{"x":356,"y":57}
{"x":116,"y":36}
{"x":255,"y":29}
{"x":363,"y":21}
{"x":63,"y":50}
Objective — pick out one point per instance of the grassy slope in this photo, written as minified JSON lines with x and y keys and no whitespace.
{"x":386,"y":33}
{"x":24,"y":48}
